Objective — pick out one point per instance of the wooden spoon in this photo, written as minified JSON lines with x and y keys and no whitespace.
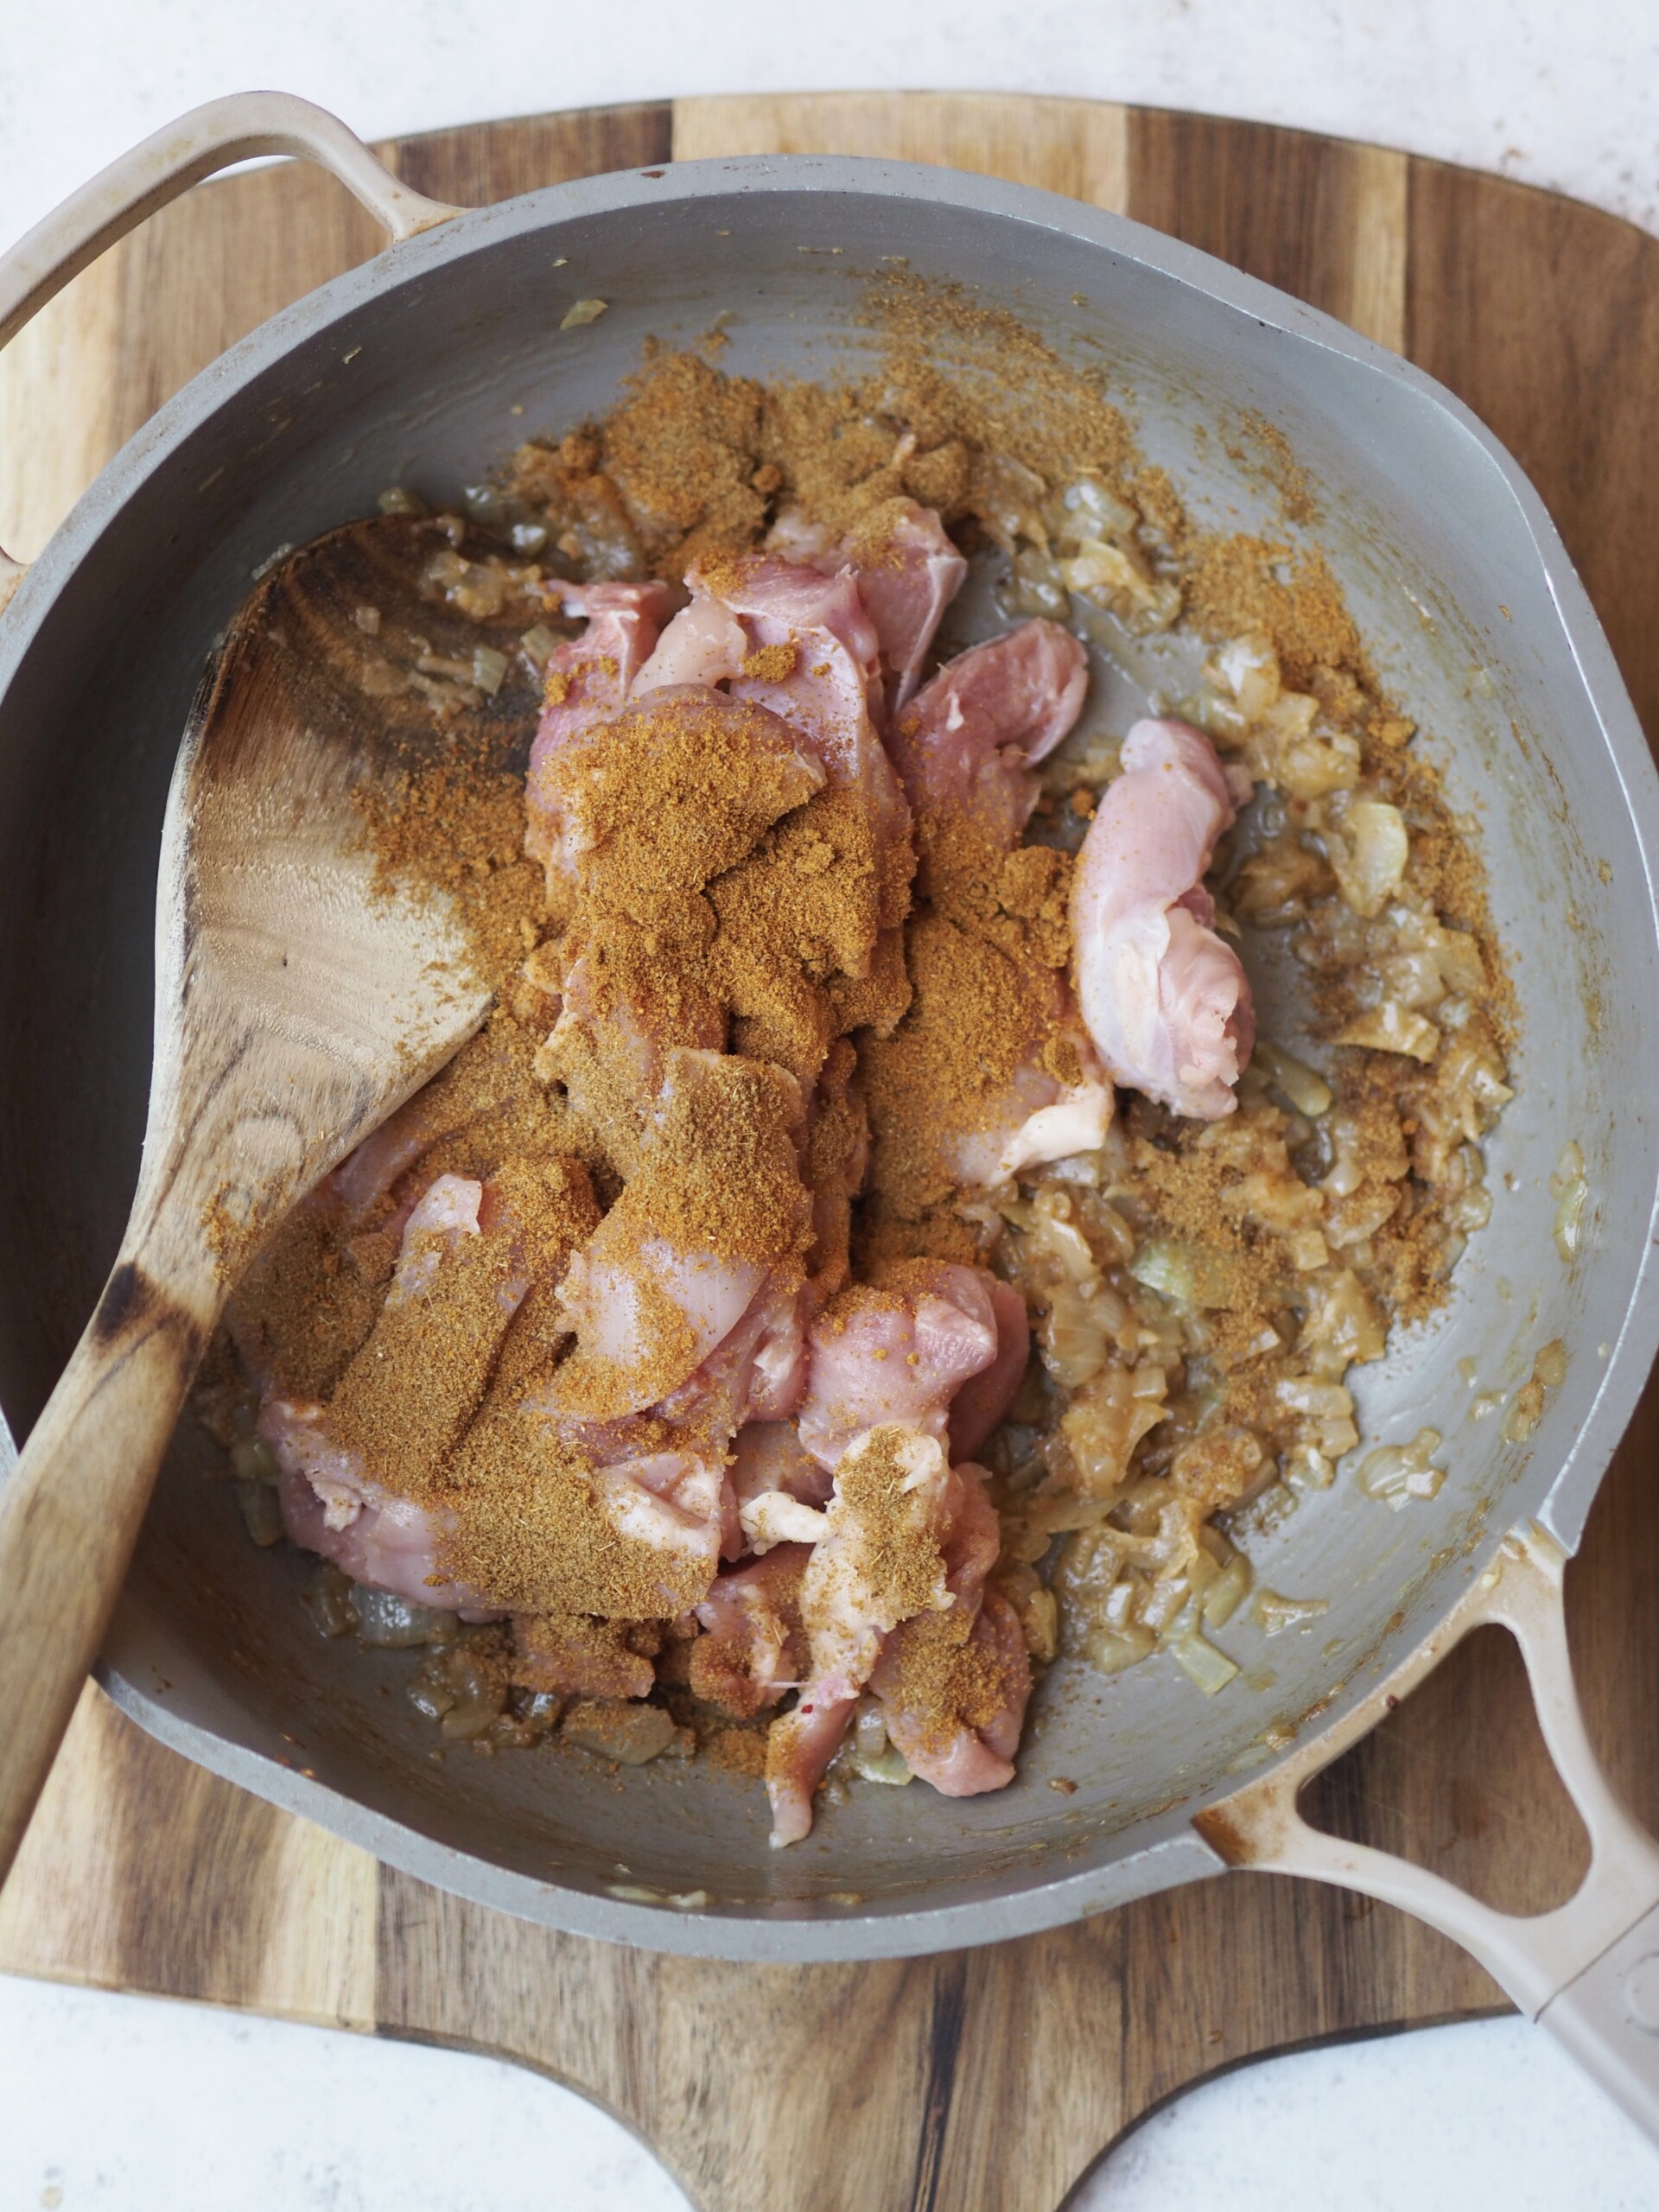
{"x":297,"y":1004}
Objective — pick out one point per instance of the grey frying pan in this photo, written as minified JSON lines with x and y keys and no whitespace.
{"x":414,"y":365}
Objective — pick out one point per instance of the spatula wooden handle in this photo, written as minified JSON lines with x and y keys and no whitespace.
{"x":70,"y":1514}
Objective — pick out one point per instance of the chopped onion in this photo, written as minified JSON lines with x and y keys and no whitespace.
{"x":1391,"y":1027}
{"x":631,"y":1734}
{"x":1165,"y":1267}
{"x":262,"y":1517}
{"x":396,"y":1623}
{"x":1398,"y":1472}
{"x":1569,"y":1189}
{"x":489,"y":668}
{"x":1307,"y":1092}
{"x":1276,"y":1613}
{"x":1227,"y":1592}
{"x":1369,"y":854}
{"x":328,"y":1600}
{"x":538,"y":646}
{"x":583,"y":311}
{"x":1200,"y":1661}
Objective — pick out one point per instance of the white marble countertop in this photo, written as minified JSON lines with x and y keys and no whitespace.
{"x":1559,"y":97}
{"x":132,"y":2105}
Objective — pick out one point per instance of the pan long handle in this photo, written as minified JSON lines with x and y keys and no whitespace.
{"x":1588,"y":1971}
{"x":207,"y":139}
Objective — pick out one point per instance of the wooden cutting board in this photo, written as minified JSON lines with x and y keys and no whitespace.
{"x":983,"y":2080}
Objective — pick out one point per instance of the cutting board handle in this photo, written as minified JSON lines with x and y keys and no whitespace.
{"x":1588,"y":1971}
{"x":211,"y":137}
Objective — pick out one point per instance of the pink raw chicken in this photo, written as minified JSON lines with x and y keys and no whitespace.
{"x":588,"y":682}
{"x":982,"y":1401}
{"x":634,"y":1042}
{"x":616,"y":1286}
{"x":1167,"y":1001}
{"x":753,"y":1648}
{"x":899,"y":1358}
{"x":906,"y":583}
{"x":966,"y":747}
{"x":972,"y":1760}
{"x":330,"y":1501}
{"x":830,"y":693}
{"x":848,"y":1607}
{"x":970,"y":740}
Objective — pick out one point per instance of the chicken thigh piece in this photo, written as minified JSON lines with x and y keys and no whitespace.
{"x":954,"y":1685}
{"x":896,"y":1354}
{"x":354,"y":1473}
{"x":803,"y":645}
{"x":1030,"y":1088}
{"x":716,"y":1210}
{"x":753,"y":1650}
{"x":967,"y":744}
{"x":587,"y":682}
{"x":1167,"y":1001}
{"x":879,"y":1563}
{"x":908,"y":572}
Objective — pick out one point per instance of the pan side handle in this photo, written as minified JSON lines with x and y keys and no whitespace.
{"x":239,"y":129}
{"x":1589,"y":1970}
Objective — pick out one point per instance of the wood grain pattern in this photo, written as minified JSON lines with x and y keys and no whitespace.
{"x":985,"y":2080}
{"x":1319,"y":217}
{"x":1077,"y":147}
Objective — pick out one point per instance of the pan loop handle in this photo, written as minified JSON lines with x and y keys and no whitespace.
{"x":209,"y":138}
{"x":1588,"y":1971}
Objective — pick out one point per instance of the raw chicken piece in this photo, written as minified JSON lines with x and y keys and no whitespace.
{"x":672,"y":1500}
{"x":704,"y":644}
{"x":446,"y":1214}
{"x":645,"y":836}
{"x":908,"y":572}
{"x":587,"y":681}
{"x":481,"y":1085}
{"x":827,"y":687}
{"x":970,"y":737}
{"x":881,"y":1558}
{"x":323,"y":1443}
{"x":753,"y":1648}
{"x":652,"y":1315}
{"x":603,"y":1045}
{"x":968,"y":1750}
{"x":897,"y":1354}
{"x":1032,"y":1116}
{"x":954,"y":1685}
{"x":879,"y":1561}
{"x":390,"y":1543}
{"x":776,"y":1351}
{"x":964,"y":748}
{"x":1166,"y":1001}
{"x":800,"y":1745}
{"x":834,"y":686}
{"x":769,"y":1460}
{"x":756,"y":1376}
{"x":715,"y":1211}
{"x":982,"y":1401}
{"x":642,"y":1511}
{"x":347,"y":1466}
